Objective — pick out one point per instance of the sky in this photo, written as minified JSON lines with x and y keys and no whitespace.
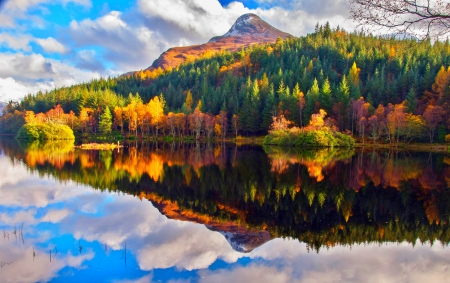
{"x":48,"y":44}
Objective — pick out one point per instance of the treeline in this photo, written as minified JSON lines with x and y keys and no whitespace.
{"x":331,"y":69}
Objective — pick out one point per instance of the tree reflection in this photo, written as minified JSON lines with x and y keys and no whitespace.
{"x":324,"y":198}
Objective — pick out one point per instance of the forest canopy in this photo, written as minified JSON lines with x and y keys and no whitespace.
{"x":374,"y":88}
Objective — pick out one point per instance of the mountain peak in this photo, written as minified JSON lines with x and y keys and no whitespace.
{"x":248,"y":29}
{"x":251,"y":25}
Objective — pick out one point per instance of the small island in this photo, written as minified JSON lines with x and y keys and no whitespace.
{"x":99,"y":146}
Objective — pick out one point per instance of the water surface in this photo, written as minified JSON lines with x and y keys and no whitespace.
{"x":216,"y":213}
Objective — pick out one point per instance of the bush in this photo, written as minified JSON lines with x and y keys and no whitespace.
{"x":45,"y":131}
{"x":309,"y":138}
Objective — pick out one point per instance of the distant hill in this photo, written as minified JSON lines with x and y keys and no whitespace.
{"x":248,"y":29}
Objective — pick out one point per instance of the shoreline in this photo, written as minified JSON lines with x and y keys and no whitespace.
{"x":422,"y":147}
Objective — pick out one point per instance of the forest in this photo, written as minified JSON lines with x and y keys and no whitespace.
{"x":377,"y":89}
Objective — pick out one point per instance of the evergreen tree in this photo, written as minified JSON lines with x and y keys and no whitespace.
{"x":269,"y":109}
{"x":312,"y":96}
{"x":325,"y":99}
{"x":105,"y":122}
{"x":411,"y":101}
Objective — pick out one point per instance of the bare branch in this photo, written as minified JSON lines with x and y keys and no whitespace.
{"x":423,"y":18}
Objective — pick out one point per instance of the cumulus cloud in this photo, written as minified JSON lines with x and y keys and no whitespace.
{"x":179,"y":244}
{"x":126,"y":46}
{"x":203,"y":19}
{"x":89,"y":60}
{"x":20,"y":188}
{"x":25,"y":268}
{"x":16,"y":42}
{"x":21,"y":74}
{"x":116,"y":42}
{"x":199,"y":18}
{"x":51,"y":45}
{"x":21,"y":42}
{"x":362,"y":263}
{"x":251,"y":273}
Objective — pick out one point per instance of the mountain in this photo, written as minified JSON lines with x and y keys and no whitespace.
{"x":248,"y":29}
{"x":241,"y":238}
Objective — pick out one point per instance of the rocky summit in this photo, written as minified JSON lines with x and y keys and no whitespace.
{"x":250,"y":25}
{"x":248,"y":29}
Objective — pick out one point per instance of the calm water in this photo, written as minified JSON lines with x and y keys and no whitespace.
{"x":215,"y":213}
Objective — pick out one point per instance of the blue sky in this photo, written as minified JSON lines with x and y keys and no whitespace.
{"x":46,"y":44}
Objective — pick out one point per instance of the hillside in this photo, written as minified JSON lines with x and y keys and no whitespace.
{"x":248,"y":29}
{"x":381,"y":89}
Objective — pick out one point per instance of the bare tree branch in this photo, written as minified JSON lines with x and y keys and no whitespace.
{"x":422,"y":18}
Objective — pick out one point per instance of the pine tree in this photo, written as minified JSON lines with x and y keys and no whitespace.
{"x":312,"y":96}
{"x":269,"y":109}
{"x":325,"y":99}
{"x":105,"y":122}
{"x":411,"y":101}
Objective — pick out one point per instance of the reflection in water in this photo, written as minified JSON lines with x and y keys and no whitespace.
{"x":326,"y":198}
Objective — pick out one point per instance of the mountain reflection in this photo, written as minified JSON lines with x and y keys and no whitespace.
{"x":250,"y":195}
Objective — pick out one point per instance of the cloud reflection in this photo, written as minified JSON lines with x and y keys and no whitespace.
{"x":157,"y":242}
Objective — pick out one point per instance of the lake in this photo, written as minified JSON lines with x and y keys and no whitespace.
{"x":222,"y":213}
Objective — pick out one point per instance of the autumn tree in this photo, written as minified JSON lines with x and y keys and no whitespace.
{"x":433,"y":116}
{"x":156,"y":109}
{"x":118,"y":117}
{"x":180,"y":122}
{"x":209,"y":124}
{"x":171,"y":123}
{"x":396,"y":121}
{"x":374,"y":128}
{"x":30,"y":118}
{"x":196,"y":122}
{"x":280,"y":123}
{"x":222,"y":122}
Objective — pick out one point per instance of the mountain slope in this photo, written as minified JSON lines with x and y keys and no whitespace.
{"x":248,"y":29}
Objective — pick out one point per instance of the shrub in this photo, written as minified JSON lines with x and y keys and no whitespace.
{"x":45,"y":131}
{"x":309,"y":138}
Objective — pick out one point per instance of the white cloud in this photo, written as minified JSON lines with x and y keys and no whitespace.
{"x":362,"y":263}
{"x":205,"y":18}
{"x":10,"y":89}
{"x":23,"y":267}
{"x":251,"y":273}
{"x":20,"y":188}
{"x":16,"y":42}
{"x":179,"y":244}
{"x":128,"y":47}
{"x":21,"y":74}
{"x":145,"y":279}
{"x":14,"y":10}
{"x":117,"y":42}
{"x":24,"y":5}
{"x":51,"y":45}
